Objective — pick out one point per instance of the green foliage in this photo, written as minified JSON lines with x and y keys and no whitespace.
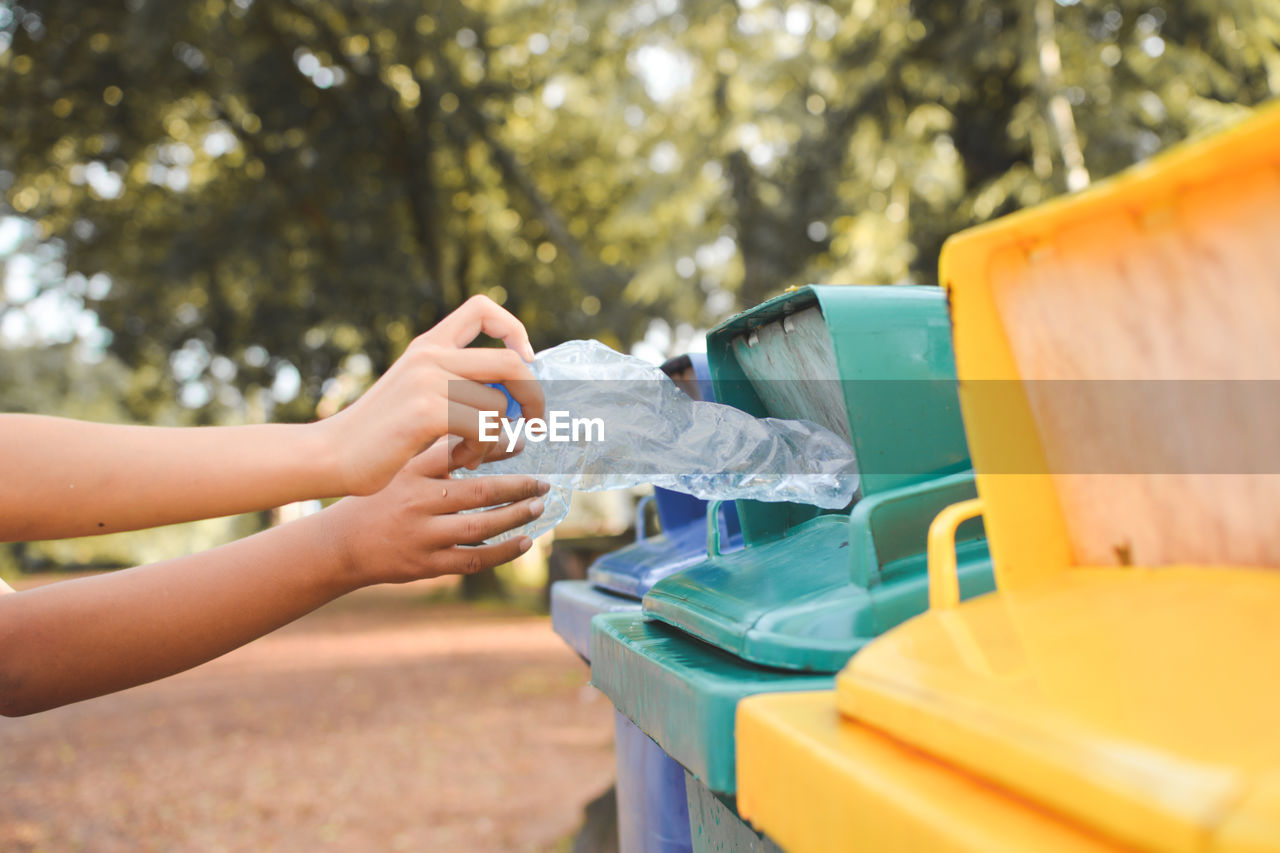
{"x":291,"y":184}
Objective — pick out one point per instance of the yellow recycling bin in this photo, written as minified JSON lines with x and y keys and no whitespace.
{"x":1119,"y":360}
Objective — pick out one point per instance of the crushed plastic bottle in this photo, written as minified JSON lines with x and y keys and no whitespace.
{"x":651,"y":432}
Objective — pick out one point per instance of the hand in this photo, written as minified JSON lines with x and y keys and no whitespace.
{"x":414,"y":528}
{"x":434,"y":389}
{"x":85,"y":637}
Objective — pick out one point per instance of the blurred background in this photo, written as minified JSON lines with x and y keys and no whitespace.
{"x":230,"y":211}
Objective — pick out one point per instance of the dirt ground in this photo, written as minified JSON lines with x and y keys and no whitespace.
{"x":378,"y":723}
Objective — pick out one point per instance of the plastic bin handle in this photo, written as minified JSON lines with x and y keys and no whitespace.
{"x":713,"y":528}
{"x":640,"y":508}
{"x":944,"y":579}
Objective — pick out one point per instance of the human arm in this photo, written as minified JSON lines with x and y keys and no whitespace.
{"x":81,"y":638}
{"x":73,"y":478}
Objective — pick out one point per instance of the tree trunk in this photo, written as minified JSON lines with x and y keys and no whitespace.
{"x":1055,"y":104}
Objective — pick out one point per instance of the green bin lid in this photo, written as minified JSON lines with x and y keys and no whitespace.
{"x":872,"y":362}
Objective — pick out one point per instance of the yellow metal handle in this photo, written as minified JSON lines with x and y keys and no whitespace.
{"x":944,"y":581}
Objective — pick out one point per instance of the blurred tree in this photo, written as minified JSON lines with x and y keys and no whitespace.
{"x":263,"y":200}
{"x":277,"y":190}
{"x":850,"y":139}
{"x":287,"y":184}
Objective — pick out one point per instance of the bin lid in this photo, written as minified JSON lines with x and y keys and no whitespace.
{"x":681,"y":692}
{"x":634,"y":569}
{"x":809,"y":590}
{"x":811,"y":599}
{"x":1117,"y":354}
{"x":574,"y":603}
{"x":874,"y":363}
{"x":1140,"y":702}
{"x":815,"y":782}
{"x":1124,"y":673}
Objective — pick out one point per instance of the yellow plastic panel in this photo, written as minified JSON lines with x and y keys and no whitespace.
{"x":1252,"y":827}
{"x":1170,"y":271}
{"x":815,"y":783}
{"x":1144,"y":703}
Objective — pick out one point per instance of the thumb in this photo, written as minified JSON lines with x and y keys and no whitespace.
{"x":432,"y":462}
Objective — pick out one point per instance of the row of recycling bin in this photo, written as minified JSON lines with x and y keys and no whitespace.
{"x":1064,"y":710}
{"x":730,"y":601}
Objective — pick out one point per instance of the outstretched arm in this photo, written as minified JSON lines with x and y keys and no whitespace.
{"x":82,"y":638}
{"x":72,"y":478}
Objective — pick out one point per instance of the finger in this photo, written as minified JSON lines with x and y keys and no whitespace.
{"x":468,"y":454}
{"x":455,"y":496}
{"x":467,"y":423}
{"x":495,"y":365}
{"x":471,"y":527}
{"x":467,"y":560}
{"x":482,"y":398}
{"x":476,"y":410}
{"x":471,"y":454}
{"x":434,"y":461}
{"x":481,"y":314}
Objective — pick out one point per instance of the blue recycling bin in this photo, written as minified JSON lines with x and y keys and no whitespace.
{"x":653,"y":812}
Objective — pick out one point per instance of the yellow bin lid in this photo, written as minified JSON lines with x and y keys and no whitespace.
{"x":814,"y":782}
{"x":1117,"y":353}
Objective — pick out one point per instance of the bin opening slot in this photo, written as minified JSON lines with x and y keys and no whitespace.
{"x":791,"y":364}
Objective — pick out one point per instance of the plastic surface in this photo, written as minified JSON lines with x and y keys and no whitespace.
{"x":678,"y":512}
{"x":1167,"y":272}
{"x":1141,"y":702}
{"x":815,"y":782}
{"x":944,"y":581}
{"x":653,"y":813}
{"x":676,"y":509}
{"x":680,"y":692}
{"x":632,"y":570}
{"x":810,"y":600}
{"x":574,"y":603}
{"x":654,"y":433}
{"x":810,"y":589}
{"x":1110,"y":679}
{"x":715,"y":826}
{"x":886,"y":363}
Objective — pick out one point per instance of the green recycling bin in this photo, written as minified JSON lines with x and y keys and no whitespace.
{"x":810,"y":587}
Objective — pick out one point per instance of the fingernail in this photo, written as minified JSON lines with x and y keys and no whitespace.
{"x":536,"y":506}
{"x":525,"y":544}
{"x":543,"y":487}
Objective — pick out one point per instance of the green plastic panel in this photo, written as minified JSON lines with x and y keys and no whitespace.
{"x":809,"y":600}
{"x":681,"y":692}
{"x":892,"y":351}
{"x":715,"y":825}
